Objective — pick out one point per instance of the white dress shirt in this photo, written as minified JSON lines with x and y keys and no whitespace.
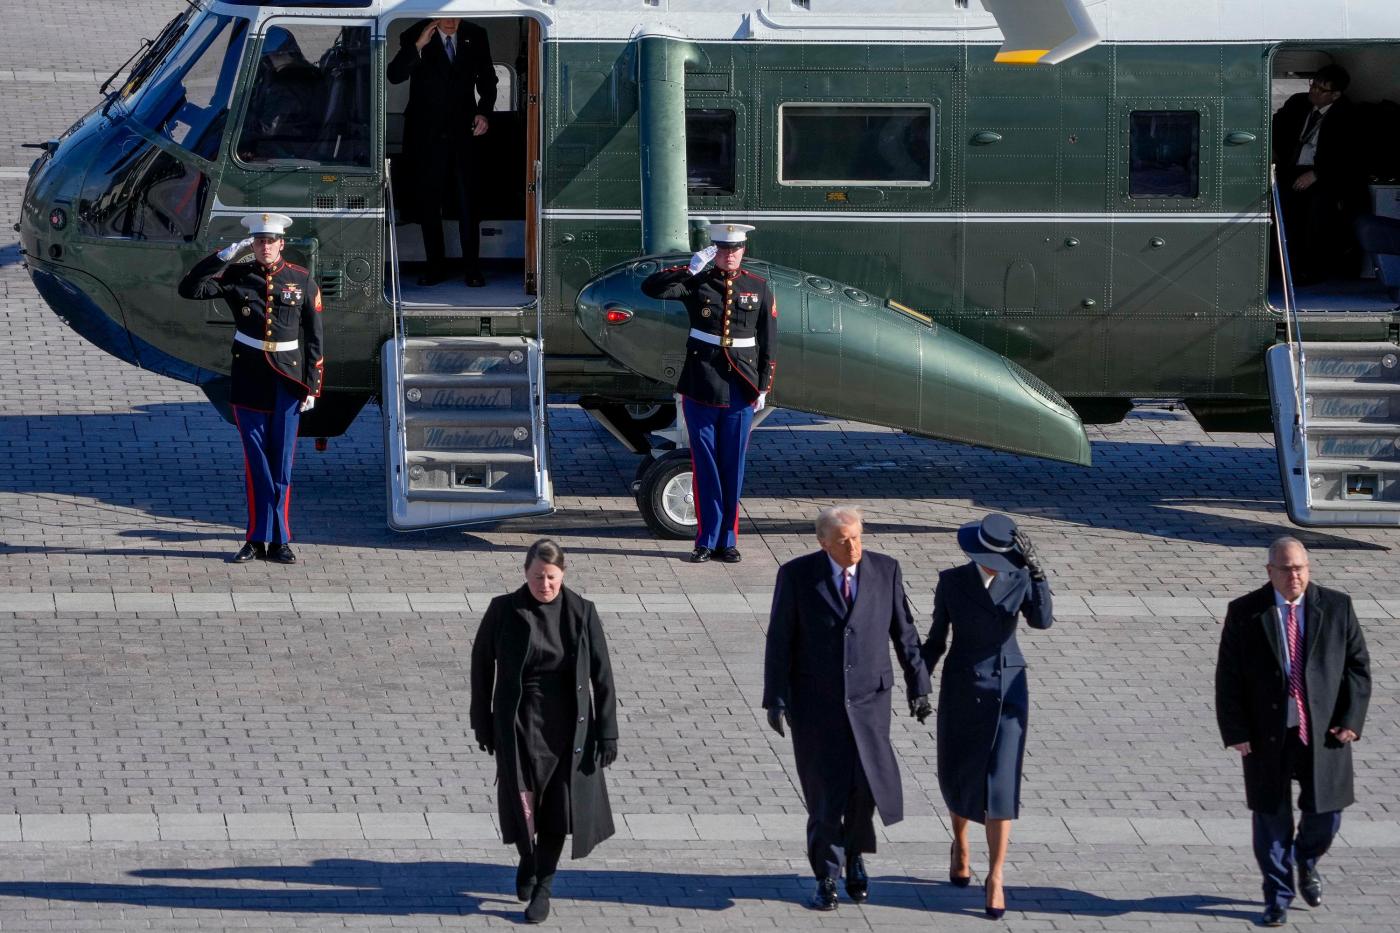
{"x":1281,"y":617}
{"x":1308,"y":153}
{"x":987,"y":578}
{"x":837,"y":572}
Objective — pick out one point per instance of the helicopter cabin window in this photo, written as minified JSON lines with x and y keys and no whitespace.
{"x":710,"y":151}
{"x":855,"y":144}
{"x":134,"y":190}
{"x":311,"y":97}
{"x":186,"y":97}
{"x":1164,"y":154}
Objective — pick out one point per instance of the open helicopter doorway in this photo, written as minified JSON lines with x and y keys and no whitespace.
{"x":499,"y":181}
{"x":1338,"y":176}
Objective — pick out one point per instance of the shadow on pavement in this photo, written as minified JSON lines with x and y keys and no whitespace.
{"x":362,"y":886}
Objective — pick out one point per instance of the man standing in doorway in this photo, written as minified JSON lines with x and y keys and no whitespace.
{"x":451,"y":94}
{"x":1292,"y":684}
{"x":730,"y":359}
{"x":277,"y":369}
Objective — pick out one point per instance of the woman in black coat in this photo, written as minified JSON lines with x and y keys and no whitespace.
{"x":982,"y":697}
{"x":543,"y":703}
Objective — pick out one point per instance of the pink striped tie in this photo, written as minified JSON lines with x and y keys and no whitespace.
{"x":846,"y":586}
{"x":1295,"y":672}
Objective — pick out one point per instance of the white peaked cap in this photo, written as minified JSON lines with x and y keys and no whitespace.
{"x":275,"y":224}
{"x":729,"y":233}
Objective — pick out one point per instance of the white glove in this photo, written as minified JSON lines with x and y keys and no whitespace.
{"x":760,"y":403}
{"x":228,"y":252}
{"x":702,"y":259}
{"x":308,"y":403}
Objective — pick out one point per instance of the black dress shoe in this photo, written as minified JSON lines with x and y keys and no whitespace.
{"x":282,"y":554}
{"x":1274,"y":916}
{"x":249,"y":551}
{"x":474,"y":280}
{"x":993,"y":913}
{"x":700,"y":555}
{"x":1310,"y":886}
{"x":537,"y":911}
{"x":431,"y":277}
{"x":730,"y":555}
{"x":857,"y":881}
{"x":825,"y":896}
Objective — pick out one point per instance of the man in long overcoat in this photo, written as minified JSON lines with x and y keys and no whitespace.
{"x":1292,"y":684}
{"x":827,"y":674}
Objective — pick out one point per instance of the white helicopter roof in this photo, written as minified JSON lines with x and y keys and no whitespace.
{"x":934,"y":21}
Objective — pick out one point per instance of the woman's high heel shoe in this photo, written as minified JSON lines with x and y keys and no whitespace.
{"x":958,"y":881}
{"x":994,"y":913}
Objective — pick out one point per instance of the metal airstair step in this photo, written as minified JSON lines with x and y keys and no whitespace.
{"x":1352,"y":360}
{"x":452,"y":380}
{"x":1352,"y":387}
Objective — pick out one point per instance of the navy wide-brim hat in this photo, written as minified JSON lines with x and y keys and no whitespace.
{"x":991,"y":543}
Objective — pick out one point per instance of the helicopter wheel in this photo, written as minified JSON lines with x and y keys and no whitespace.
{"x":665,"y":495}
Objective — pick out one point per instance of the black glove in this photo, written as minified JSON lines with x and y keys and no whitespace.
{"x":486,"y":742}
{"x":776,"y":716}
{"x":1028,"y":554}
{"x":607,"y":752}
{"x":920,"y":708}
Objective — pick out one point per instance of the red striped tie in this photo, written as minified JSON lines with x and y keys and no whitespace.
{"x":1295,"y":672}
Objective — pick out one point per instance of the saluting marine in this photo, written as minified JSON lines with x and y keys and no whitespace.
{"x":277,"y":369}
{"x":728,"y":373}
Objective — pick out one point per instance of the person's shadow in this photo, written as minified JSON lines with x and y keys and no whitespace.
{"x":363,"y":886}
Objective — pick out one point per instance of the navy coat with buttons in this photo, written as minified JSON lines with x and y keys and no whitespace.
{"x":280,"y":304}
{"x":982,"y":697}
{"x":1251,"y":694}
{"x":826,"y":666}
{"x":499,"y":654}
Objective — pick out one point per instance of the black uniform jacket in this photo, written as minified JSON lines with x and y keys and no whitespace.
{"x":735,"y":305}
{"x":1251,"y":693}
{"x":444,"y":97}
{"x":499,"y":654}
{"x":983,"y":683}
{"x":280,"y":304}
{"x":824,"y":663}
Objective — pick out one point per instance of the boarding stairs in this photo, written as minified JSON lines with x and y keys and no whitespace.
{"x":1336,"y":414}
{"x":466,"y":435}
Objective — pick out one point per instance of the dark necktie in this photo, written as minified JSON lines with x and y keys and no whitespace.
{"x":452,"y":52}
{"x":1311,"y":125}
{"x":846,"y":587}
{"x":1296,"y":691}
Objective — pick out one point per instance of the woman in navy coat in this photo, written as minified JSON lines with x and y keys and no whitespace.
{"x":982,"y":698}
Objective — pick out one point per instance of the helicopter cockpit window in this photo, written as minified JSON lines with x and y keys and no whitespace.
{"x":710,"y":151}
{"x":1164,"y":154}
{"x":855,"y":144}
{"x":135,"y":190}
{"x":186,"y":97}
{"x":310,"y":102}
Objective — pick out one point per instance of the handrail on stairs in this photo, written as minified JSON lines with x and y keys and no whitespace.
{"x":396,"y":299}
{"x":1292,"y":328}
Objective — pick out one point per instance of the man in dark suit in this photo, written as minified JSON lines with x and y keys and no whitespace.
{"x":451,"y":94}
{"x":1321,"y":183}
{"x":827,"y":674}
{"x":1292,"y":684}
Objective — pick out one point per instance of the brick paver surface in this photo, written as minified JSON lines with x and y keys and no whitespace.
{"x":187,"y":744}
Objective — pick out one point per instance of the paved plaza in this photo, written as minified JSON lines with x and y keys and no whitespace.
{"x":193,"y":745}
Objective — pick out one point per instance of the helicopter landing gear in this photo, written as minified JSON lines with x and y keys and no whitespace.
{"x":665,"y":494}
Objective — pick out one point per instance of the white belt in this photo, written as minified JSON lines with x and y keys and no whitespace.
{"x":271,"y":346}
{"x":714,"y":341}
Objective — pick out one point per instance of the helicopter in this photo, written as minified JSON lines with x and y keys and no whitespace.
{"x":986,"y":221}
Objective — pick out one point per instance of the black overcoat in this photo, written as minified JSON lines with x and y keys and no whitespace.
{"x":499,"y":654}
{"x":824,"y":664}
{"x":983,"y":701}
{"x":1251,"y":693}
{"x":1337,"y":159}
{"x":444,"y":99}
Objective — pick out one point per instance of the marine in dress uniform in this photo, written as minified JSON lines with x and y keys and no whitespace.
{"x":728,"y":372}
{"x":277,"y":369}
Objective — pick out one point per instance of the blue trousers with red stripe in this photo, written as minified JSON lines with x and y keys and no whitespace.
{"x":719,"y":442}
{"x":269,"y":444}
